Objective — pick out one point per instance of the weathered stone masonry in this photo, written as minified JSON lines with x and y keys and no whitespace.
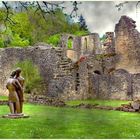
{"x":89,"y":69}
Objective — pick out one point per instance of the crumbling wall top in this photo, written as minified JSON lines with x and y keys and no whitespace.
{"x":125,"y":23}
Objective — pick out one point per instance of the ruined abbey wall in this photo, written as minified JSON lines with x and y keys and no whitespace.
{"x":44,"y":57}
{"x":89,"y":69}
{"x":127,"y":45}
{"x":119,"y":76}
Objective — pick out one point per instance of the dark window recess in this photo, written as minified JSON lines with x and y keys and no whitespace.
{"x":77,"y":81}
{"x":86,"y":43}
{"x":97,"y":72}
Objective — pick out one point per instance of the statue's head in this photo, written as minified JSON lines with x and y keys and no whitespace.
{"x":18,"y":70}
{"x":12,"y":75}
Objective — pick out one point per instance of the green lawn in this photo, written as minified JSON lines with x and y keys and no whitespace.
{"x":114,"y":103}
{"x":52,"y":122}
{"x":3,"y":98}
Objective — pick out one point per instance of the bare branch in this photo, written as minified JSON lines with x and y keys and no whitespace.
{"x":45,"y":7}
{"x":120,"y":5}
{"x":7,"y":18}
{"x":23,"y":5}
{"x":42,"y":11}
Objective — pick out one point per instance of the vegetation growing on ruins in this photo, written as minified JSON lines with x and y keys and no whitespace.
{"x":32,"y":75}
{"x":70,"y":43}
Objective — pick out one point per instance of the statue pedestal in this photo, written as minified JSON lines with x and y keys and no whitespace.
{"x":15,"y":116}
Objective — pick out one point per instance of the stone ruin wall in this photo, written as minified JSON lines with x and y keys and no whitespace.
{"x":127,"y":45}
{"x":74,"y":52}
{"x":90,"y":44}
{"x":112,"y":73}
{"x":121,"y":78}
{"x":119,"y":85}
{"x":56,"y":69}
{"x":11,"y":56}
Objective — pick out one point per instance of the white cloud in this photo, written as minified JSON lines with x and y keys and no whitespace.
{"x":101,"y":16}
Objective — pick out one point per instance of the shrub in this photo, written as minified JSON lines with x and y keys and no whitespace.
{"x":1,"y":43}
{"x":31,"y":74}
{"x":54,"y":40}
{"x":17,"y":41}
{"x":80,"y":33}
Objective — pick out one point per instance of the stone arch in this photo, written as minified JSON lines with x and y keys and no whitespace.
{"x":121,"y":84}
{"x":121,"y":71}
{"x":70,"y":42}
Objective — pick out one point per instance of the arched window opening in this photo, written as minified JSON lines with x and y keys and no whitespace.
{"x":70,"y":43}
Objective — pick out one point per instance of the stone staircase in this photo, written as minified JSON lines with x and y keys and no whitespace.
{"x":62,"y":75}
{"x":59,"y":52}
{"x":64,"y":65}
{"x":63,"y":69}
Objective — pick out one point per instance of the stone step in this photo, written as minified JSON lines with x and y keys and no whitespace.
{"x":77,"y":81}
{"x":64,"y":66}
{"x":62,"y":74}
{"x":65,"y":69}
{"x":59,"y":50}
{"x":65,"y":60}
{"x":58,"y":78}
{"x":64,"y":63}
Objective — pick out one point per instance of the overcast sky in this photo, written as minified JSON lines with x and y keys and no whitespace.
{"x":101,"y":16}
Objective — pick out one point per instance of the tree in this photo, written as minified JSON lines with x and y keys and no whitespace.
{"x":35,"y":29}
{"x":44,"y":7}
{"x":82,"y":23}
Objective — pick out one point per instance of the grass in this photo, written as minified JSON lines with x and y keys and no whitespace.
{"x":3,"y":98}
{"x":114,"y":103}
{"x":51,"y":122}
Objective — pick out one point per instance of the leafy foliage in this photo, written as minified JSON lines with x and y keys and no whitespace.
{"x":54,"y":39}
{"x":31,"y":28}
{"x":18,"y":41}
{"x":1,"y":43}
{"x":31,"y":74}
{"x":70,"y":42}
{"x":80,"y":33}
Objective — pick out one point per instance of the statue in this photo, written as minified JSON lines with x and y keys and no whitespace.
{"x":15,"y":87}
{"x":12,"y":86}
{"x":20,"y":92}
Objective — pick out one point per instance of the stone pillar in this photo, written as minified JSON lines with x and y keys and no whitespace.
{"x":127,"y":45}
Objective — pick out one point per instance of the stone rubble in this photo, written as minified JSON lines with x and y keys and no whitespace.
{"x":46,"y":101}
{"x":133,"y":106}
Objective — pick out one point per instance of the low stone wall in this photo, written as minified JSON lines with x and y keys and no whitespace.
{"x":43,"y":56}
{"x":3,"y":102}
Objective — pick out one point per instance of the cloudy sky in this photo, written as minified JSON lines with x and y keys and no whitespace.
{"x":101,"y":16}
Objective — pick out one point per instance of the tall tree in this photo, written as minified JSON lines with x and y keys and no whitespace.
{"x":82,"y":23}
